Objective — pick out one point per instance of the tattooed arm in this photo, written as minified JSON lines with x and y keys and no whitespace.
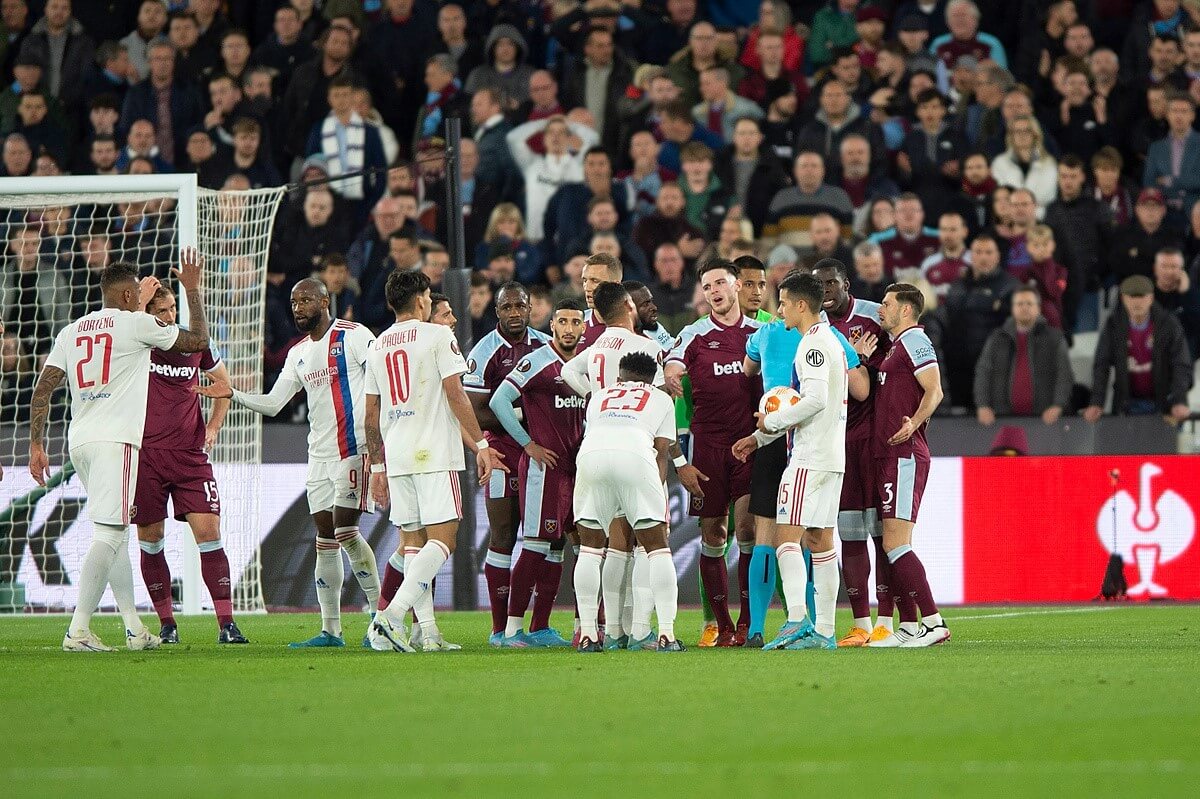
{"x":195,"y":339}
{"x":39,"y":409}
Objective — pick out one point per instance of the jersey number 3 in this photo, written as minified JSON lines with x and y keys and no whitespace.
{"x":89,"y":344}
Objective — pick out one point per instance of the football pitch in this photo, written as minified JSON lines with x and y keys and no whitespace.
{"x":1058,"y":701}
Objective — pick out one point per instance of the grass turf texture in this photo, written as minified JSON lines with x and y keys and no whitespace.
{"x":1093,"y":701}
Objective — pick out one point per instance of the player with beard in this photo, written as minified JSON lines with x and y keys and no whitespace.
{"x":489,"y":362}
{"x":646,"y":322}
{"x":554,"y":418}
{"x":330,"y":365}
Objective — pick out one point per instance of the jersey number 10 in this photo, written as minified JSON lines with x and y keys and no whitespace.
{"x":398,"y":381}
{"x":89,"y":344}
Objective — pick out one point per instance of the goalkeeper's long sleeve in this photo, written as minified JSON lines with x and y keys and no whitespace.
{"x":269,"y":404}
{"x":501,"y":404}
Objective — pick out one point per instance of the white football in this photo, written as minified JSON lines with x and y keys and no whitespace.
{"x":777,"y":398}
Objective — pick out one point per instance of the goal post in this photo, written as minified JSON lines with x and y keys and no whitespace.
{"x":58,"y":233}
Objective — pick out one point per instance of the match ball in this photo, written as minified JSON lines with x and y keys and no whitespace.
{"x":777,"y":398}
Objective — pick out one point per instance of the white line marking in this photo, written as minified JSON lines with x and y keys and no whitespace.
{"x":1014,"y":614}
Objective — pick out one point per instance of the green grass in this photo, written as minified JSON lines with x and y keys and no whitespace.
{"x":1071,"y":702}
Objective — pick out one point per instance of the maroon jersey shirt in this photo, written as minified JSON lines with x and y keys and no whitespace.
{"x":1141,"y":350}
{"x":941,"y":270}
{"x":554,"y":413}
{"x":724,"y":398}
{"x":900,"y":394}
{"x":862,"y":317}
{"x":949,"y":52}
{"x":902,"y":253}
{"x":489,"y":362}
{"x":173,"y":417}
{"x":592,"y":330}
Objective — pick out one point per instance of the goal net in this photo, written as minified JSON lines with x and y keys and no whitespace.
{"x":58,"y":234}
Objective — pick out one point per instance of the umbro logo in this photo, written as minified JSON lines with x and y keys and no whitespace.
{"x":714,"y":345}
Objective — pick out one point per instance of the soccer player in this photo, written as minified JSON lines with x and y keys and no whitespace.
{"x":598,"y":268}
{"x":811,"y":486}
{"x":554,"y":416}
{"x":711,"y":351}
{"x":858,"y":521}
{"x":490,"y":361}
{"x":647,"y":315}
{"x":329,"y":364}
{"x":105,"y":359}
{"x":173,"y":462}
{"x":910,"y":388}
{"x":622,"y":472}
{"x":417,"y":416}
{"x":442,"y":313}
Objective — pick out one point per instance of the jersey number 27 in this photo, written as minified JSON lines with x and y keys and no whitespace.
{"x":89,"y":344}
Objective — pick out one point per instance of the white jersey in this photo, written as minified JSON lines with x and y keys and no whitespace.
{"x":406,"y":368}
{"x":600,"y":363}
{"x":106,"y":358}
{"x":331,"y":371}
{"x":627,"y":417}
{"x":818,"y":421}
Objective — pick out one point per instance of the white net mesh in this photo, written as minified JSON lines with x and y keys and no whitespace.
{"x":55,"y":245}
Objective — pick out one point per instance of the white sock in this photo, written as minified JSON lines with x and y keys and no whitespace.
{"x":627,"y":595}
{"x":362,"y":561}
{"x":643,"y":595}
{"x":933,"y":620}
{"x":885,"y":622}
{"x":120,"y":577}
{"x":93,"y":577}
{"x":664,"y":587}
{"x":795,"y":577}
{"x":587,"y":590}
{"x":514,"y":626}
{"x":863,"y":623}
{"x":613,"y":585}
{"x":911,"y":627}
{"x":329,"y":575}
{"x":418,"y":578}
{"x":826,"y":579}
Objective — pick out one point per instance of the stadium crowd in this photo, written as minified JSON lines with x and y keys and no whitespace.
{"x":975,"y":149}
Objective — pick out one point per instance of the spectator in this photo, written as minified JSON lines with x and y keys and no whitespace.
{"x":668,"y":225}
{"x":481,"y":306}
{"x":881,"y":216}
{"x":404,"y":254}
{"x":506,"y":227}
{"x":645,"y":177}
{"x":1046,"y":275}
{"x":1085,"y":219}
{"x":40,"y":131}
{"x":774,"y":19}
{"x":1134,"y":244}
{"x":983,"y":119}
{"x":1025,"y":366}
{"x":1111,"y":188}
{"x":909,"y":243}
{"x":1177,"y":294}
{"x":572,"y":283}
{"x":827,"y":241}
{"x":27,"y":76}
{"x":304,"y":240}
{"x":1150,"y":20}
{"x":466,"y":52}
{"x":171,"y":106}
{"x":641,"y":107}
{"x":750,"y":171}
{"x":567,"y":211}
{"x":17,"y":378}
{"x":349,"y":145}
{"x":719,"y":108}
{"x":543,"y":103}
{"x":478,"y":198}
{"x":235,"y":54}
{"x":792,"y":209}
{"x":602,"y":219}
{"x":501,"y":264}
{"x":64,"y":50}
{"x":706,"y":200}
{"x":210,"y":21}
{"x":505,"y":70}
{"x":952,"y":260}
{"x":868,"y":281}
{"x":931,"y":17}
{"x":774,"y":75}
{"x":444,"y":99}
{"x":370,"y":246}
{"x":860,"y":183}
{"x":1025,"y":163}
{"x":396,"y":47}
{"x":496,"y":164}
{"x":1149,"y":128}
{"x":598,"y":83}
{"x":837,"y":118}
{"x":679,"y":128}
{"x":334,"y":272}
{"x":1011,"y":231}
{"x":225,"y":97}
{"x":672,"y":288}
{"x":1173,"y":163}
{"x":1083,"y":119}
{"x":565,"y":143}
{"x":976,"y":304}
{"x":36,"y":300}
{"x":17,"y":157}
{"x":102,"y":156}
{"x":112,"y":73}
{"x":285,"y":48}
{"x":965,"y":38}
{"x":140,"y":143}
{"x":151,"y":27}
{"x":1144,"y":348}
{"x":194,"y":63}
{"x":305,"y":103}
{"x":700,"y":54}
{"x":833,"y":26}
{"x":932,"y":155}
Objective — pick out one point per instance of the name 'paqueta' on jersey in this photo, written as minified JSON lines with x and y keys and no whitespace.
{"x":818,"y":421}
{"x":106,"y":358}
{"x":405,"y":368}
{"x":627,"y":417}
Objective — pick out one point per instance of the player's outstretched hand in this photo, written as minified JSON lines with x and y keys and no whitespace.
{"x":691,"y":478}
{"x":217,"y":389}
{"x":674,"y":386}
{"x":904,"y":433}
{"x":545,"y":458}
{"x":744,"y":448}
{"x":379,"y":489}
{"x":487,"y":461}
{"x":146,"y":288}
{"x":760,"y":419}
{"x":191,"y":265}
{"x":39,"y":463}
{"x":866,"y":346}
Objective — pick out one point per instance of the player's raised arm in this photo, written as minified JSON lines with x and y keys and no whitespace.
{"x":191,"y":269}
{"x":39,"y":409}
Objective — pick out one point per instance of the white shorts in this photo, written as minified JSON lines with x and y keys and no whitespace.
{"x":109,"y":473}
{"x":612,"y":483}
{"x":422,"y":500}
{"x":342,"y":484}
{"x":808,"y":498}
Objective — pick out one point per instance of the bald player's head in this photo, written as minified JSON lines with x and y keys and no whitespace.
{"x":310,"y":304}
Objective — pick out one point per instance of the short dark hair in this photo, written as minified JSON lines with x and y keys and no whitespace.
{"x":569,"y":304}
{"x":106,"y":100}
{"x":436,"y":297}
{"x":407,"y":231}
{"x":984,"y":235}
{"x":929,"y":96}
{"x":1071,"y":161}
{"x":910,"y":295}
{"x":343,"y":81}
{"x":116,"y":273}
{"x":677,"y":109}
{"x":403,"y":287}
{"x":834,"y":264}
{"x":1025,"y":288}
{"x":744,"y":262}
{"x":333,"y":259}
{"x":836,"y":54}
{"x":608,"y":297}
{"x":640,"y":366}
{"x":804,"y":287}
{"x":718,"y":263}
{"x":511,"y":285}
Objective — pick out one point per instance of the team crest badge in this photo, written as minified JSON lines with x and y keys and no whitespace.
{"x":335,"y":351}
{"x":551,"y":525}
{"x":697,"y":502}
{"x":454,"y":347}
{"x":856,"y":333}
{"x":470,"y":364}
{"x":524,"y":365}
